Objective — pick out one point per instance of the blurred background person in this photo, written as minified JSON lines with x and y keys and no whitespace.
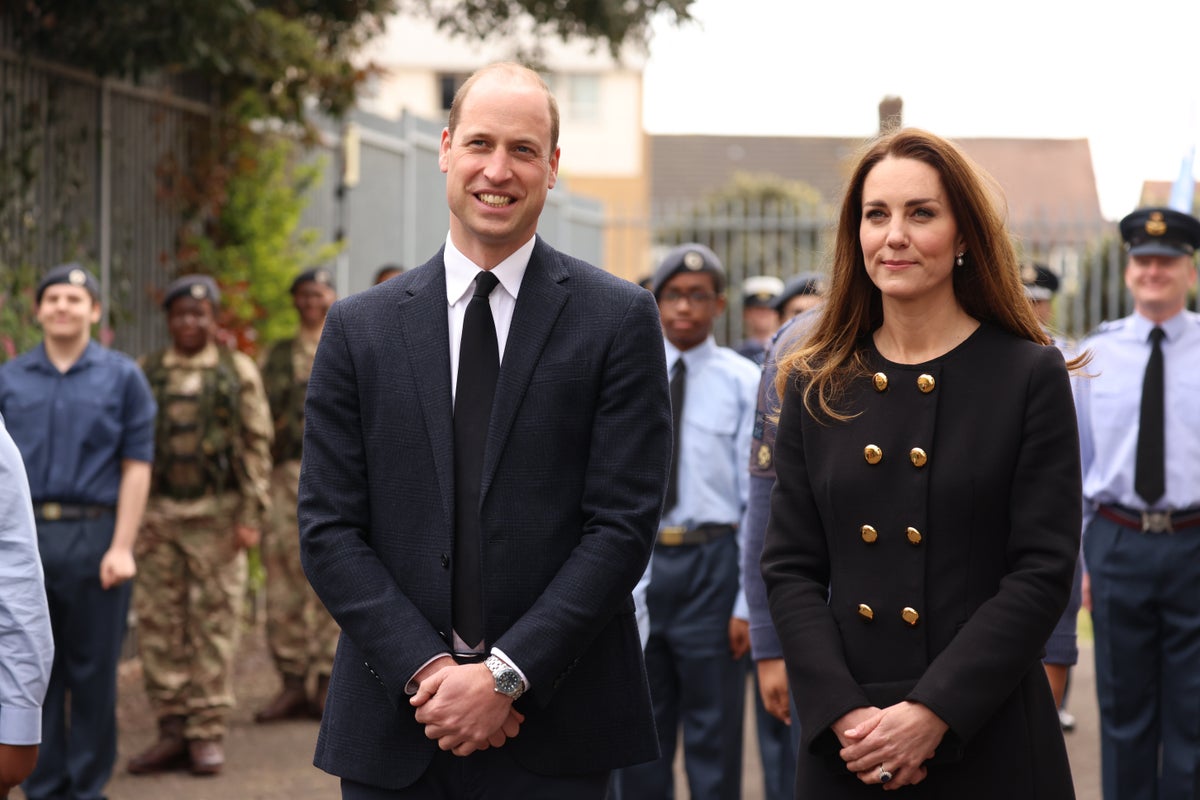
{"x":301,"y":633}
{"x":83,"y":418}
{"x":386,"y":272}
{"x":887,"y":483}
{"x":698,"y":629}
{"x":208,"y":495}
{"x":760,"y":318}
{"x":801,"y":293}
{"x":1141,"y":486}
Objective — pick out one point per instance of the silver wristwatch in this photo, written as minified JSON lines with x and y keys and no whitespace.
{"x":508,"y":680}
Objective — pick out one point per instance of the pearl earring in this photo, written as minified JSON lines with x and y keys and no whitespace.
{"x":958,"y":262}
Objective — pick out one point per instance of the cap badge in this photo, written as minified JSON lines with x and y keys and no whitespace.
{"x":1156,"y":225}
{"x":322,"y":276}
{"x":198,"y":291}
{"x":76,"y":278}
{"x":693,"y":260}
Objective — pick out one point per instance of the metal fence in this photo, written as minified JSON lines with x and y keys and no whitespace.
{"x":784,"y":241}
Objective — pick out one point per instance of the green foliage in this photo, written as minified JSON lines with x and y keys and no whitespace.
{"x":255,"y":247}
{"x":33,"y":136}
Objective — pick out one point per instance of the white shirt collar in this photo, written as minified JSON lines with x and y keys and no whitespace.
{"x":461,"y":271}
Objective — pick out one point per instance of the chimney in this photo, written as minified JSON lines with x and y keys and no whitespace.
{"x":891,"y":114}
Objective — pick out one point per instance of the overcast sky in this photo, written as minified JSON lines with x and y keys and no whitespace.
{"x":1126,"y":76}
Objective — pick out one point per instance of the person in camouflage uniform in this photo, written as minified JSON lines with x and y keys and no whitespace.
{"x":208,"y":497}
{"x":300,"y":631}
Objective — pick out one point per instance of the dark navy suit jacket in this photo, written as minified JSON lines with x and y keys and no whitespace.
{"x":573,"y":481}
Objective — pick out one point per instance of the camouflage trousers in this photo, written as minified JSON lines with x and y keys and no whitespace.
{"x":300,"y":632}
{"x":190,"y":589}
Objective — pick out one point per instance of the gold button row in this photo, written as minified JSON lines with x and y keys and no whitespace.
{"x":874,"y":454}
{"x":908,"y":614}
{"x":870,"y":535}
{"x":925,"y":382}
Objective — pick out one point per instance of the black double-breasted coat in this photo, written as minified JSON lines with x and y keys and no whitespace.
{"x":924,"y":550}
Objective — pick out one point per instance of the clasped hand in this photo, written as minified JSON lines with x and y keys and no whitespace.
{"x":899,"y":738}
{"x":460,"y":708}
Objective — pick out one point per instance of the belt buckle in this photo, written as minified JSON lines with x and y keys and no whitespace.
{"x":51,"y":511}
{"x":672,"y":536}
{"x":1157,"y":522}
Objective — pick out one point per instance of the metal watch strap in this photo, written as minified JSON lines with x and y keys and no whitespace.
{"x":499,"y":666}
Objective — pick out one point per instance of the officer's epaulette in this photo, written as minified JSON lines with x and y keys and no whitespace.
{"x":1105,"y":327}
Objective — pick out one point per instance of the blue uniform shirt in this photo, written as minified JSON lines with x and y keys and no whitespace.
{"x":75,"y":428}
{"x":1109,"y":403}
{"x":718,"y":415}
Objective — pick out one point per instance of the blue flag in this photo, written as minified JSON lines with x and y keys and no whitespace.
{"x":1183,"y":191}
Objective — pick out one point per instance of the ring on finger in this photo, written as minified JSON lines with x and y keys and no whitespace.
{"x":884,"y":775}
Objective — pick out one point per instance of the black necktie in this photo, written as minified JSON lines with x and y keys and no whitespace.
{"x":1149,"y":479}
{"x":678,"y":385}
{"x":478,"y":367}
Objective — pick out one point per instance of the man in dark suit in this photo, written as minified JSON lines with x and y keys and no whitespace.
{"x":479,"y":556}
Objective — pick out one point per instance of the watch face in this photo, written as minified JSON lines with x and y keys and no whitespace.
{"x":508,"y":681}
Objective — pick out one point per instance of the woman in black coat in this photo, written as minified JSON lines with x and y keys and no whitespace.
{"x":925,"y":523}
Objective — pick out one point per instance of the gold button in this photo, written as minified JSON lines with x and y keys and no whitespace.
{"x":910,"y":616}
{"x":872,"y":454}
{"x":865,"y":612}
{"x":913,"y":535}
{"x":926,"y":383}
{"x":917,"y":457}
{"x":869,"y":534}
{"x":880,"y":381}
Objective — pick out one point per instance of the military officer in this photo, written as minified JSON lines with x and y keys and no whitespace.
{"x":760,"y":318}
{"x":698,"y":629}
{"x":208,"y":496}
{"x":83,"y":418}
{"x":1140,"y":443}
{"x":300,"y":632}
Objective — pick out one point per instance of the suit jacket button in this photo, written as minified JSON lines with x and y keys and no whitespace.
{"x":926,"y":383}
{"x":880,"y":381}
{"x":872,"y":454}
{"x":869,"y":534}
{"x":445,"y":561}
{"x":918,"y":457}
{"x":866,"y":612}
{"x":910,"y":616}
{"x":914,"y":535}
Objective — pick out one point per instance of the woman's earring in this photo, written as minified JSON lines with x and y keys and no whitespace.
{"x":958,"y":261}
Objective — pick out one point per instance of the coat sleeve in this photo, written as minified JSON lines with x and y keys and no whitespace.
{"x":796,"y":569}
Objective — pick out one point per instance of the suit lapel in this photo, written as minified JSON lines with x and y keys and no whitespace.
{"x":543,"y":295}
{"x":423,"y":323}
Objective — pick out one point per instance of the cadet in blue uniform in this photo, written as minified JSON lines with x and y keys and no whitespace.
{"x":760,"y":318}
{"x":83,"y":419}
{"x":1140,"y":441}
{"x":799,"y":294}
{"x":698,"y":638}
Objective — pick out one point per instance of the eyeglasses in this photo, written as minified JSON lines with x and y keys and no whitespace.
{"x":696,"y":298}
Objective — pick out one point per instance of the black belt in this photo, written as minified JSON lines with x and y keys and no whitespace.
{"x":677,"y":535}
{"x":52,"y":511}
{"x":1152,"y":521}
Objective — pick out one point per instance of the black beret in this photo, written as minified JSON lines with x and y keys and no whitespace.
{"x":1160,"y":232}
{"x":73,"y":274}
{"x":316,"y":275}
{"x":804,"y":283}
{"x":760,"y":291}
{"x":690,"y":257}
{"x":201,"y":287}
{"x":1040,"y":282}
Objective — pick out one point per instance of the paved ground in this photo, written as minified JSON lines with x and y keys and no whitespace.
{"x":274,"y":762}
